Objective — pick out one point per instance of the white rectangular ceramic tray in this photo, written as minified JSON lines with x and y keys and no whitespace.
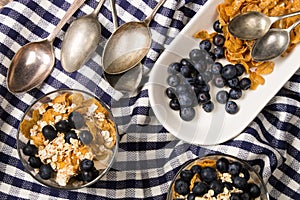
{"x":218,"y":126}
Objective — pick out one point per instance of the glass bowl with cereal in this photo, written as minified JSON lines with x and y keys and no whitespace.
{"x":67,"y":139}
{"x":217,"y":177}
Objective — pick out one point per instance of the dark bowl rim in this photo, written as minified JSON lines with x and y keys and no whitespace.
{"x":244,"y":162}
{"x":110,"y":164}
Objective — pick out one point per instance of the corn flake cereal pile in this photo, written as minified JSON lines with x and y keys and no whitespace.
{"x":238,"y":51}
{"x":62,"y":145}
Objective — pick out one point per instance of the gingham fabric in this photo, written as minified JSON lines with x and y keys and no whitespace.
{"x":149,"y":156}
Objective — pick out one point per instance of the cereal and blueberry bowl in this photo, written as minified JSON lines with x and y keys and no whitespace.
{"x":217,"y":177}
{"x":67,"y":139}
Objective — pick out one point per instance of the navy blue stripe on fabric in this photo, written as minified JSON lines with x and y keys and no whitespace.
{"x":276,"y":183}
{"x":8,"y":140}
{"x":280,"y":125}
{"x":10,"y":197}
{"x":143,"y":146}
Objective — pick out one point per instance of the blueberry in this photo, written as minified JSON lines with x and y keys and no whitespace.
{"x":35,"y":162}
{"x":219,"y":82}
{"x":228,"y":185}
{"x":186,"y":175}
{"x":196,"y":169}
{"x":170,"y":92}
{"x":212,"y":55}
{"x":200,"y":189}
{"x":205,"y":45}
{"x":205,"y":88}
{"x":199,"y":79}
{"x":217,"y":186}
{"x":240,"y":69}
{"x":76,"y":120}
{"x":216,"y":68}
{"x":174,"y":104}
{"x":235,"y":93}
{"x":62,"y":126}
{"x":233,"y":83}
{"x":69,"y":135}
{"x":46,"y":171}
{"x":245,"y":83}
{"x":174,"y":68}
{"x":204,"y":97}
{"x":222,"y":96}
{"x":245,"y":173}
{"x":186,"y":71}
{"x":187,"y":114}
{"x":208,"y":174}
{"x":231,"y":107}
{"x":200,"y":66}
{"x":208,"y":106}
{"x":85,"y":137}
{"x":185,"y":62}
{"x":182,"y":89}
{"x":222,"y":164}
{"x":86,"y":165}
{"x":219,"y":52}
{"x":234,"y":168}
{"x":49,"y":132}
{"x":87,"y":176}
{"x":217,"y":26}
{"x":182,"y":187}
{"x":197,"y":55}
{"x":207,"y":76}
{"x":254,"y":190}
{"x":219,"y":40}
{"x":245,"y":196}
{"x":239,"y":182}
{"x":191,"y":196}
{"x":235,"y":196}
{"x":228,"y":71}
{"x":29,"y":149}
{"x":173,"y":80}
{"x":186,"y":100}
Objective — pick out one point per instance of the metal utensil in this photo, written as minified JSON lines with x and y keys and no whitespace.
{"x":272,"y":44}
{"x":253,"y":25}
{"x":128,"y":45}
{"x":127,"y":81}
{"x":81,"y":40}
{"x":32,"y":64}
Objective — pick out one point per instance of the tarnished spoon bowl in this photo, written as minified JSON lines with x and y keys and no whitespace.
{"x":128,"y":45}
{"x":81,"y":40}
{"x":274,"y":43}
{"x":32,"y":64}
{"x":253,"y":25}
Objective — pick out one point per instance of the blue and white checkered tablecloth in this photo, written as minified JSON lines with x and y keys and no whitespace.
{"x":149,"y":156}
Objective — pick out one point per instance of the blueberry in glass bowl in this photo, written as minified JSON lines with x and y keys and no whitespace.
{"x":67,"y":139}
{"x":217,"y":177}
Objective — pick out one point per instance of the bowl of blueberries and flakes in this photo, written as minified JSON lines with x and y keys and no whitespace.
{"x":217,"y":177}
{"x":67,"y":139}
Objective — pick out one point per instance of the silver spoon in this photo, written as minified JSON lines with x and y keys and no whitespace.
{"x":32,"y":64}
{"x":127,"y":81}
{"x":253,"y":25}
{"x":128,"y":45}
{"x":81,"y":40}
{"x":274,"y":43}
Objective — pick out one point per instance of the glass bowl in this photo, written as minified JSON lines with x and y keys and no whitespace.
{"x":192,"y":182}
{"x":67,"y":139}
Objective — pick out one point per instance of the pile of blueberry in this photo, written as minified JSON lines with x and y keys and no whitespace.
{"x":75,"y":121}
{"x":189,"y":79}
{"x":209,"y":180}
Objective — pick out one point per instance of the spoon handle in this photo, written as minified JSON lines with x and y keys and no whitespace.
{"x":275,"y":18}
{"x":98,"y":8}
{"x":150,"y":17}
{"x":114,"y":13}
{"x":293,"y":25}
{"x":73,"y":7}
